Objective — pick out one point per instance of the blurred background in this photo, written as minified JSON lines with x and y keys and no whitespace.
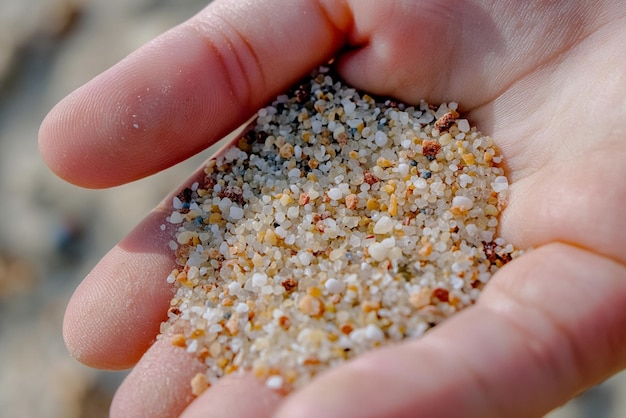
{"x":52,"y":233}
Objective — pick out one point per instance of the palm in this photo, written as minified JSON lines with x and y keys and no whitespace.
{"x":549,"y":92}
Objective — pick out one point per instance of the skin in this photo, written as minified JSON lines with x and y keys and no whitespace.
{"x":546,"y":79}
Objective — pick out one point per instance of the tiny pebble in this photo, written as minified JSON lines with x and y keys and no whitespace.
{"x":236,"y":213}
{"x":384,"y":225}
{"x":500,"y":184}
{"x":378,"y":251}
{"x":334,"y":285}
{"x":381,"y":139}
{"x":274,"y":382}
{"x":335,"y":193}
{"x":462,"y":202}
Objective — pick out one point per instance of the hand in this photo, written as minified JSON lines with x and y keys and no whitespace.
{"x":545,"y":79}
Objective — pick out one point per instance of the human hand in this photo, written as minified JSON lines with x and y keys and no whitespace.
{"x":545,"y":79}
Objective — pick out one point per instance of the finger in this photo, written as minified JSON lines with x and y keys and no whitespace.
{"x":548,"y":325}
{"x":114,"y":314}
{"x":235,"y":396}
{"x":187,"y":88}
{"x":159,"y":387}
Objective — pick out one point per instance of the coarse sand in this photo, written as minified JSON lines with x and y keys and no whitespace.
{"x":335,"y":225}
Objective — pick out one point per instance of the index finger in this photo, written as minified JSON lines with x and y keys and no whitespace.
{"x":188,"y":88}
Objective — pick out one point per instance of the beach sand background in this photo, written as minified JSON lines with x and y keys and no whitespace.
{"x":52,"y":233}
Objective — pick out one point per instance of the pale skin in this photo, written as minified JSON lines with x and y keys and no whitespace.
{"x":546,"y":79}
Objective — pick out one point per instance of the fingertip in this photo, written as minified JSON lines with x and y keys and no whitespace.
{"x":150,"y":111}
{"x":115,"y":313}
{"x":55,"y":149}
{"x":114,"y":316}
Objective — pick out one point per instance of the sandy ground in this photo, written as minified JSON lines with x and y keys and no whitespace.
{"x":52,"y":233}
